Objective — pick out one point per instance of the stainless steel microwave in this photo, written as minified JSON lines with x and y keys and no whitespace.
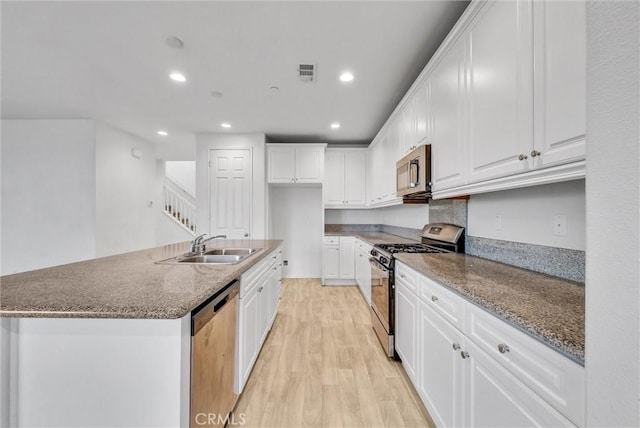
{"x":413,"y":175}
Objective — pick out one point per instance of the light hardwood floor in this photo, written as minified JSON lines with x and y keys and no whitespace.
{"x":322,"y":365}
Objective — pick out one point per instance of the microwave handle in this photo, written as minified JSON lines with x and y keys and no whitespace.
{"x":412,"y":163}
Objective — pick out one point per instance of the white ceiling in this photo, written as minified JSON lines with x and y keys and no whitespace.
{"x":109,"y":61}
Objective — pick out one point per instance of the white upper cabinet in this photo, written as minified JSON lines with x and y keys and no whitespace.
{"x":295,"y":163}
{"x":345,"y":182}
{"x":500,"y":90}
{"x":447,"y":84}
{"x":560,"y":82}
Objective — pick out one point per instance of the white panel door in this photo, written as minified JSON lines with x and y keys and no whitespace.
{"x":309,"y":165}
{"x":331,"y":262}
{"x":248,"y":336}
{"x":347,"y":257}
{"x":354,"y":177}
{"x":406,"y":329}
{"x":281,"y":164}
{"x":500,"y":90}
{"x":560,"y":82}
{"x":440,"y":371}
{"x":230,"y":193}
{"x":447,"y":88}
{"x":334,"y":183}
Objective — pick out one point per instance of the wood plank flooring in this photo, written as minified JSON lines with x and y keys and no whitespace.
{"x":323,"y":366}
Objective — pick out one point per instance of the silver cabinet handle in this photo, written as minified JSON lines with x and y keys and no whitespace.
{"x":246,"y":234}
{"x":275,"y":268}
{"x":402,"y":275}
{"x":535,"y":153}
{"x":522,"y":157}
{"x":434,"y":298}
{"x":260,"y":289}
{"x":456,"y":346}
{"x":464,"y":355}
{"x":503,"y":348}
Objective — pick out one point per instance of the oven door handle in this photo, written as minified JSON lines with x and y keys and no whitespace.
{"x":378,"y":265}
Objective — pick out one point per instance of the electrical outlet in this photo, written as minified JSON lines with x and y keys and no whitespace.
{"x":497,"y":221}
{"x":285,"y":263}
{"x":560,"y":225}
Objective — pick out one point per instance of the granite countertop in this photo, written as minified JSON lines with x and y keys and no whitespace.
{"x":547,"y":308}
{"x":127,"y":285}
{"x":374,"y":238}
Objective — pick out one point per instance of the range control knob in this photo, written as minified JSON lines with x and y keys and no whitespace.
{"x":374,"y":253}
{"x":383,"y":260}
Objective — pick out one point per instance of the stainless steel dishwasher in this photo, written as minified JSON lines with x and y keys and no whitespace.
{"x":213,"y":352}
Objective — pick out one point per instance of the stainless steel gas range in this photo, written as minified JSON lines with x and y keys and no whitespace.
{"x":436,"y":238}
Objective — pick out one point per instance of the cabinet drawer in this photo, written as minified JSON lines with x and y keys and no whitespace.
{"x":558,"y":380}
{"x":252,"y":277}
{"x":444,"y":302}
{"x":331,"y":240}
{"x":407,"y":276}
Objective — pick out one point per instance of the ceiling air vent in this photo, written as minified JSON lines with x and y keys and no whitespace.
{"x":306,"y":72}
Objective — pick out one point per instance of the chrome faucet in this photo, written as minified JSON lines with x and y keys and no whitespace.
{"x":197,"y":245}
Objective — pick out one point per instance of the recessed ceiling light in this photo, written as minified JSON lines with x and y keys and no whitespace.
{"x":335,"y":125}
{"x":216,"y":94}
{"x":178,"y":77}
{"x":346,"y":77}
{"x":225,"y":125}
{"x":174,"y":42}
{"x":163,"y":133}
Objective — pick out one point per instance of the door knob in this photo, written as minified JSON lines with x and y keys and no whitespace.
{"x":534,"y":153}
{"x":246,"y":235}
{"x":522,"y":157}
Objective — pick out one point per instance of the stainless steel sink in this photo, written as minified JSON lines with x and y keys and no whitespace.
{"x":232,"y":251}
{"x":212,"y":256}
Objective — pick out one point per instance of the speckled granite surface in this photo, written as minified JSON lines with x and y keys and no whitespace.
{"x":123,"y":286}
{"x":374,"y":238}
{"x":547,"y":308}
{"x":560,"y":262}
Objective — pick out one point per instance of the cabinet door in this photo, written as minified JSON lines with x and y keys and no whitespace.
{"x":376,"y":170}
{"x":495,"y":398}
{"x":500,"y":90}
{"x":447,"y":88}
{"x":264,"y":309}
{"x":560,"y":82}
{"x":309,"y":165}
{"x":420,"y":119}
{"x":354,"y":177}
{"x":440,"y":374}
{"x":334,"y":184}
{"x":347,"y":257}
{"x":406,"y":329}
{"x":331,"y":262}
{"x":248,"y":343}
{"x":281,"y":164}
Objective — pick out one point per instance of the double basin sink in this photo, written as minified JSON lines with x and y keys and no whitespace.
{"x":213,"y":256}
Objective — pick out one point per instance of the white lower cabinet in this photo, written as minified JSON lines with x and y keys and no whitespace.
{"x":473,"y":369}
{"x":257,"y":308}
{"x":440,"y":368}
{"x":495,"y":398}
{"x":406,"y":326}
{"x":338,"y":264}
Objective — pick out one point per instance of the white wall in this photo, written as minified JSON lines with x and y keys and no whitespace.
{"x":48,"y":203}
{"x":528,"y":214}
{"x":410,"y":216}
{"x":254,"y":142}
{"x":296,"y":217}
{"x":183,"y":173}
{"x":125,"y":188}
{"x":613,"y":191}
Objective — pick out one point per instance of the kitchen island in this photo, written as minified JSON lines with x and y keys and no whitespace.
{"x":107,"y":342}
